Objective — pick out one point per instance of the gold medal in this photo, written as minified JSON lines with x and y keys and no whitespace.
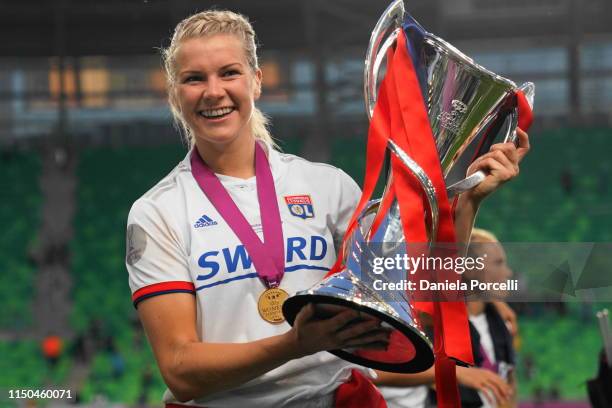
{"x":270,"y":305}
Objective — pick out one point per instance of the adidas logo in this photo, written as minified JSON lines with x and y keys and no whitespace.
{"x":204,"y":221}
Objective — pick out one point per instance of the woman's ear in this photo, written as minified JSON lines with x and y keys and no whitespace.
{"x":258,"y":78}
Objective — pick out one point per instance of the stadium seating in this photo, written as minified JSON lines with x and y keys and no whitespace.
{"x":19,"y":217}
{"x":564,"y":354}
{"x":537,"y":207}
{"x":110,"y":181}
{"x":23,"y":366}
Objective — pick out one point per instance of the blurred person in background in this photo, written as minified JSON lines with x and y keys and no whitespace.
{"x":229,"y":346}
{"x":491,"y":337}
{"x":491,"y":382}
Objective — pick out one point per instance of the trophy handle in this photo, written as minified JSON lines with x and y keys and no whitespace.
{"x":528,"y":89}
{"x":473,"y":180}
{"x":426,"y":185}
{"x":466,"y":184}
{"x":391,"y":18}
{"x":365,"y":220}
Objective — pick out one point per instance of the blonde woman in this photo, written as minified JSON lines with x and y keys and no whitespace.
{"x":240,"y":226}
{"x":217,"y":245}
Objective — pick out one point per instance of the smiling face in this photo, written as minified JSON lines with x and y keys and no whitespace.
{"x":216,"y":89}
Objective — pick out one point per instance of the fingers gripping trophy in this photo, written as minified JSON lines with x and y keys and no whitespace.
{"x":434,"y":113}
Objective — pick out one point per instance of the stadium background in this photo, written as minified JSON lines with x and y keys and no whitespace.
{"x":85,"y":130}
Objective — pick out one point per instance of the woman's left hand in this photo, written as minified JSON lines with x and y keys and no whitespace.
{"x":500,"y":164}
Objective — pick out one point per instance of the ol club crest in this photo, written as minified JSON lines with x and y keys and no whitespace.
{"x":300,"y":206}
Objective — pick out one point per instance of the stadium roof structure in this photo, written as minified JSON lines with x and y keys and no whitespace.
{"x":119,"y":27}
{"x":323,"y":31}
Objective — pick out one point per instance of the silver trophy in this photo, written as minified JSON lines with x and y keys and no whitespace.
{"x":469,"y":109}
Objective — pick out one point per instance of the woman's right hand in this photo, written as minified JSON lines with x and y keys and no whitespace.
{"x":348,"y":328}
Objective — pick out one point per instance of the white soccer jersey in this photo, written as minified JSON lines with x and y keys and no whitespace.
{"x":405,"y":397}
{"x":178,"y":242}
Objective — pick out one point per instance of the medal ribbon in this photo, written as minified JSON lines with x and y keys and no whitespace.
{"x":268,"y":256}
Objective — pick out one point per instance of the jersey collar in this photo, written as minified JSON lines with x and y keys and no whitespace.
{"x":273,"y":158}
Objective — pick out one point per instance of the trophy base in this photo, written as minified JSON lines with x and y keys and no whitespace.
{"x":409,"y":350}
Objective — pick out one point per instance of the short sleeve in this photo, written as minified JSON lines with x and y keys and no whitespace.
{"x":156,"y":260}
{"x":348,"y":197}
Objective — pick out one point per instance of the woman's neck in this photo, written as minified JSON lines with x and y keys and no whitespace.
{"x":234,"y":159}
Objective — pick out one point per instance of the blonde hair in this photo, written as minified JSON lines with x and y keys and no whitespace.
{"x":204,"y":24}
{"x":482,"y":235}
